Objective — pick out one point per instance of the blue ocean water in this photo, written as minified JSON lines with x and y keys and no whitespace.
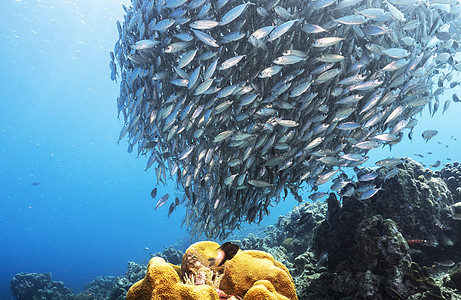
{"x":92,"y":211}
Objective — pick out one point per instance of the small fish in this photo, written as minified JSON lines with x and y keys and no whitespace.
{"x":225,"y":252}
{"x":176,"y":47}
{"x":325,"y":177}
{"x":397,"y":52}
{"x":327,"y":42}
{"x":171,"y":209}
{"x":222,"y":136}
{"x":368,"y":177}
{"x":373,"y":12}
{"x":234,"y":13}
{"x":370,"y":193}
{"x":163,"y":25}
{"x":312,"y":28}
{"x":259,"y":183}
{"x":389,"y":162}
{"x":228,"y":63}
{"x":392,"y":173}
{"x":153,"y":193}
{"x":367,"y":145}
{"x":436,"y":164}
{"x":352,"y":20}
{"x":281,"y":29}
{"x":204,"y":24}
{"x":145,"y":44}
{"x":417,"y":242}
{"x":318,"y":195}
{"x":348,"y":126}
{"x":395,"y":13}
{"x":429,"y":134}
{"x":375,"y":30}
{"x":349,"y":192}
{"x":287,"y":60}
{"x":162,"y":201}
{"x":186,"y":152}
{"x":146,"y":248}
{"x":270,"y":71}
{"x":445,"y":263}
{"x":446,"y":105}
{"x":205,"y":38}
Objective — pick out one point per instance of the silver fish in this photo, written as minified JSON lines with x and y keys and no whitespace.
{"x":206,"y":38}
{"x":228,"y":63}
{"x":162,"y":201}
{"x":220,"y":94}
{"x":234,"y":13}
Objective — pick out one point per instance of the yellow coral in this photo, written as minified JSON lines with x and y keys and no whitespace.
{"x":196,"y":262}
{"x":251,"y":274}
{"x":250,"y":266}
{"x":199,"y":254}
{"x":263,"y":289}
{"x":162,"y":282}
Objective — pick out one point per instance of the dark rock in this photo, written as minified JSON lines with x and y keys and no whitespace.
{"x":451,"y":182}
{"x":173,"y":256}
{"x":38,"y":286}
{"x":84,"y":296}
{"x":288,"y":244}
{"x":134,"y":273}
{"x":455,"y":277}
{"x":100,"y":287}
{"x":25,"y":285}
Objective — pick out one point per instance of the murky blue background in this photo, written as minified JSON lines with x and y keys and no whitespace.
{"x":92,"y":212}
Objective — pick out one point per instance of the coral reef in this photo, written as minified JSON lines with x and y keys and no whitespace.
{"x":162,"y":282}
{"x":134,"y":273}
{"x":402,"y":243}
{"x":37,"y":286}
{"x":251,"y":266}
{"x":171,"y":255}
{"x":101,"y":287}
{"x":195,"y":262}
{"x":376,"y":246}
{"x":384,"y":247}
{"x":248,"y":270}
{"x":451,"y":174}
{"x":263,"y":289}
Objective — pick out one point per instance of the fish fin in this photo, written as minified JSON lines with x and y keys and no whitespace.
{"x":212,"y":261}
{"x":222,"y":262}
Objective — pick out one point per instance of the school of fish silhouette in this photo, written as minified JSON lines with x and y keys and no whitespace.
{"x":240,"y":102}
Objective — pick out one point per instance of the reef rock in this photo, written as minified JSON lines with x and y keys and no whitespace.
{"x":171,"y":255}
{"x":375,"y":246}
{"x":451,"y":174}
{"x":27,"y":286}
{"x":415,"y":199}
{"x":134,"y":273}
{"x":101,"y":287}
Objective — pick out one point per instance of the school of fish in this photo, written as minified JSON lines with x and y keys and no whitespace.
{"x":241,"y":102}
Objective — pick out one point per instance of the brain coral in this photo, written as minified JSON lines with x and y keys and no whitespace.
{"x":250,"y":266}
{"x":162,"y":282}
{"x":250,"y":274}
{"x":263,"y":289}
